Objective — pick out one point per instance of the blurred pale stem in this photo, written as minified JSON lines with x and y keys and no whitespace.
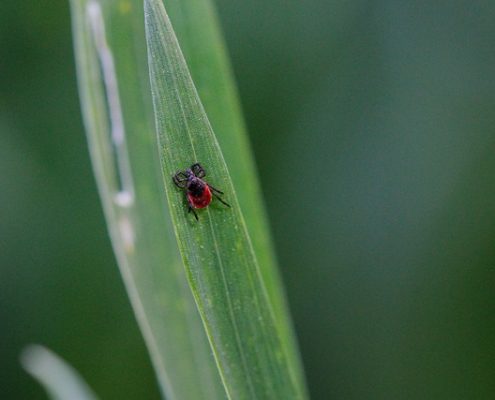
{"x":60,"y":380}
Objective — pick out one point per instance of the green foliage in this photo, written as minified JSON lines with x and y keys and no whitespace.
{"x":241,"y":304}
{"x":373,"y":128}
{"x":115,"y":97}
{"x":222,"y":268}
{"x":197,"y":29}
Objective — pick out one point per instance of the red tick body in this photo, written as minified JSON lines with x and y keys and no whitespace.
{"x":198,"y":193}
{"x":202,"y":200}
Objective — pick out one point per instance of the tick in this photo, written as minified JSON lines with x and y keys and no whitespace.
{"x":198,"y":192}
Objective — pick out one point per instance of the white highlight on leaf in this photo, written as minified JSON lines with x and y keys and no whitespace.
{"x":127,"y":234}
{"x":125,"y":193}
{"x":124,"y":198}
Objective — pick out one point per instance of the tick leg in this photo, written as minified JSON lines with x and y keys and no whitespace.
{"x":191,"y":208}
{"x":180,"y":183}
{"x":215,"y":189}
{"x":198,"y":170}
{"x":194,"y":212}
{"x":180,"y":179}
{"x":219,"y":198}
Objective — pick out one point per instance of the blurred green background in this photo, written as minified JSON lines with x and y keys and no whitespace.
{"x":373,"y":125}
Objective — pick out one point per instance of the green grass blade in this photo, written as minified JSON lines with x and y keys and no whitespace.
{"x":115,"y":95}
{"x":217,"y":252}
{"x":59,"y":379}
{"x":197,"y":28}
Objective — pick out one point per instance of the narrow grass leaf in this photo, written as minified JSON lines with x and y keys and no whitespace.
{"x":110,"y":48}
{"x":198,"y":32}
{"x":220,"y":262}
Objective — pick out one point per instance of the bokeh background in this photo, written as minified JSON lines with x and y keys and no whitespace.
{"x":373,"y":125}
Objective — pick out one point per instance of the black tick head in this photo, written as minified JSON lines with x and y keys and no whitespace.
{"x":195,"y":186}
{"x":188,"y":172}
